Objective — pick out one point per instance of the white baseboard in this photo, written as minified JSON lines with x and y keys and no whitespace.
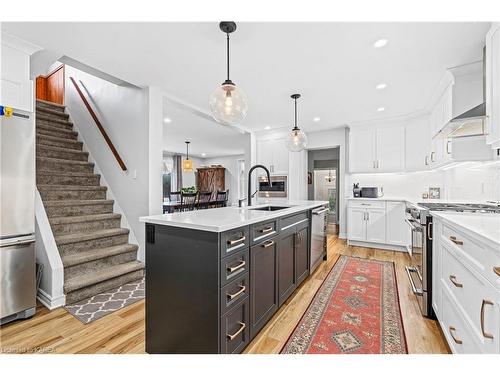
{"x":50,"y":302}
{"x":343,"y":235}
{"x":374,"y":245}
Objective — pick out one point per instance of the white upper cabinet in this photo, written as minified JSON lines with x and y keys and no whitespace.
{"x":493,"y":86}
{"x":377,"y":149}
{"x":16,"y":86}
{"x":417,"y":144}
{"x":273,"y":154}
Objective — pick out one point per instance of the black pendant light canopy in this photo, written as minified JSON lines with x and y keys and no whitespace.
{"x":228,"y":103}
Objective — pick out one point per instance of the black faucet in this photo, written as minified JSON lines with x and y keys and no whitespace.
{"x":249,"y":195}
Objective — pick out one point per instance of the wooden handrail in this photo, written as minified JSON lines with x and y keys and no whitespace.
{"x":99,"y":125}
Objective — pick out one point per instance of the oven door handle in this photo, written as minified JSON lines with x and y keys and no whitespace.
{"x":413,"y":227}
{"x":415,"y":290}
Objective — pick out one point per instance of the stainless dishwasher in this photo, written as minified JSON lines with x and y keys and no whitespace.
{"x":318,"y":237}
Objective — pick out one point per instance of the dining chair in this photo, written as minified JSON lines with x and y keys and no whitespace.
{"x":221,"y":198}
{"x":188,"y":201}
{"x":204,"y":199}
{"x":174,"y":196}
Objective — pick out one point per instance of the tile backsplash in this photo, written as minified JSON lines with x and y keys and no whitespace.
{"x":465,"y":181}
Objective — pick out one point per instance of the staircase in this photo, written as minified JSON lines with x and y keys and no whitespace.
{"x":94,"y":248}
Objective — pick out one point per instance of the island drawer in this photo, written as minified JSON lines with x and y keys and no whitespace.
{"x":233,"y":266}
{"x":290,"y":221}
{"x":234,"y":329}
{"x":262,"y":231}
{"x":234,"y":240}
{"x":234,"y":292}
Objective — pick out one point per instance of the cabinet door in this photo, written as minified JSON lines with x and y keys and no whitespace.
{"x":16,"y":87}
{"x":390,"y":149}
{"x":493,"y":85}
{"x":286,"y":264}
{"x":280,"y":157}
{"x":356,"y":226}
{"x":302,"y":255}
{"x":417,"y":144}
{"x":263,"y":284}
{"x":375,"y":225}
{"x":362,"y":150}
{"x":396,"y":228}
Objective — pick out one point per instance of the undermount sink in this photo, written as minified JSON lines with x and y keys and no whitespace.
{"x":269,"y":208}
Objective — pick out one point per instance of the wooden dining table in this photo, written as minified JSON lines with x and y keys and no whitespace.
{"x":170,"y":207}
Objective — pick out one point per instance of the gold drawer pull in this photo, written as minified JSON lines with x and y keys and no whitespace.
{"x":234,"y":242}
{"x":455,"y":241}
{"x":232,"y":269}
{"x":452,"y":330}
{"x":485,"y":302}
{"x":496,"y":270}
{"x":233,"y":336}
{"x":266,"y":229}
{"x":233,"y":296}
{"x":267,"y":244}
{"x":453,"y":279}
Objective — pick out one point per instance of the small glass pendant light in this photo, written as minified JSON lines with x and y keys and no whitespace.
{"x":228,"y":103}
{"x":296,"y":140}
{"x":187,"y":164}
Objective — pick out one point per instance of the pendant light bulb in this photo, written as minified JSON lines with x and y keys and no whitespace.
{"x":228,"y":103}
{"x":297,"y":139}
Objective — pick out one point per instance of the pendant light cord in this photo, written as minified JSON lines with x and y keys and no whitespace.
{"x":227,"y":34}
{"x":295,"y":127}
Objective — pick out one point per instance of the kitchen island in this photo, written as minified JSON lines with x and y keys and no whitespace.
{"x":215,"y":277}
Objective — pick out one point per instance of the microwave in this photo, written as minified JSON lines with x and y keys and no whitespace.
{"x":372,"y":192}
{"x":279,"y":189}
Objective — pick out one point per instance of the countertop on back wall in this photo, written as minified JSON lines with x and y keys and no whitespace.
{"x":421,"y":200}
{"x":225,"y":218}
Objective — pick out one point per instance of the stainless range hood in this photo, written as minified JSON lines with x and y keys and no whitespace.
{"x":468,"y":101}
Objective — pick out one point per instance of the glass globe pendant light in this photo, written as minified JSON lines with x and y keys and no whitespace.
{"x":187,"y":164}
{"x":228,"y":103}
{"x":296,"y":140}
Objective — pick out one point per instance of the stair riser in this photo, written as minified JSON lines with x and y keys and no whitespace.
{"x":77,"y":247}
{"x":48,"y":106}
{"x":99,"y":264}
{"x":44,"y":165}
{"x":49,"y":142}
{"x":85,"y":227}
{"x":56,"y":133}
{"x":61,"y":154}
{"x":92,"y":290}
{"x":91,"y":209}
{"x":57,"y":195}
{"x":67,"y":180}
{"x":54,"y":124}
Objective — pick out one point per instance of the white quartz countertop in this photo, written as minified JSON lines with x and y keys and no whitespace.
{"x":420,"y":200}
{"x":225,"y":218}
{"x":484,"y":225}
{"x":384,"y":198}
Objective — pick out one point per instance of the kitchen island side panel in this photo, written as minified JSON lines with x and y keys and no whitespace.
{"x":182,"y":290}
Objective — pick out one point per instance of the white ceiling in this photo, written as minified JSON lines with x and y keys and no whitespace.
{"x":333,"y":65}
{"x":206,"y":136}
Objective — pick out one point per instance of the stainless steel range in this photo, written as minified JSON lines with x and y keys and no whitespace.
{"x":420,"y":221}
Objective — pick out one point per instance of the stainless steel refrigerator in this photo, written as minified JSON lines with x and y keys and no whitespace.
{"x":17,"y":217}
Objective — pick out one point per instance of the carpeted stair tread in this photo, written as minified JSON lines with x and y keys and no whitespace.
{"x":57,"y":130}
{"x":83,"y":218}
{"x":44,"y":111}
{"x":51,"y":118}
{"x":95,"y":254}
{"x":87,"y":202}
{"x":101,"y":275}
{"x":81,"y":237}
{"x":64,"y":161}
{"x":51,"y":138}
{"x":70,"y":174}
{"x":61,"y":152}
{"x":50,"y":104}
{"x":72,"y":187}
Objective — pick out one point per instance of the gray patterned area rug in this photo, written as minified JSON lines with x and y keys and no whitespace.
{"x":93,"y":308}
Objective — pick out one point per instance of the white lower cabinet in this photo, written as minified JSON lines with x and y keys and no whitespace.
{"x":397,"y":232}
{"x":375,"y":225}
{"x":357,"y":224}
{"x":466,"y":302}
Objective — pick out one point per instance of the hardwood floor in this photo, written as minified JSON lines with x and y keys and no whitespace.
{"x":57,"y":331}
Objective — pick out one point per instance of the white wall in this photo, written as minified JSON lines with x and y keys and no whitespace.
{"x":464,"y":182}
{"x":231,"y":165}
{"x":124,"y":113}
{"x":189,"y":178}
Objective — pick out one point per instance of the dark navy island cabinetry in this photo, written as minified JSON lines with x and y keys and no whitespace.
{"x":212,"y":292}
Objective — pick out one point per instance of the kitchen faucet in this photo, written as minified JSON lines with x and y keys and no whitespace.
{"x":249,"y":195}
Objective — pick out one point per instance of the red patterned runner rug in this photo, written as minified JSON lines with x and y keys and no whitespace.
{"x":356,"y":310}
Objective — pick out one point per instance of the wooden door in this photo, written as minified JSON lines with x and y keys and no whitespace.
{"x":211,"y":179}
{"x":51,"y":86}
{"x":263,"y":284}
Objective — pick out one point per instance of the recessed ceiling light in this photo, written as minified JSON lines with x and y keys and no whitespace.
{"x":316,"y":119}
{"x":381,"y":86}
{"x":267,"y":127}
{"x":380,"y":109}
{"x":167,"y":120}
{"x":380,"y":43}
{"x":203,"y":154}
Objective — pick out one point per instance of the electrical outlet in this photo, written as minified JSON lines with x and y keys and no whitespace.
{"x":134,"y":174}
